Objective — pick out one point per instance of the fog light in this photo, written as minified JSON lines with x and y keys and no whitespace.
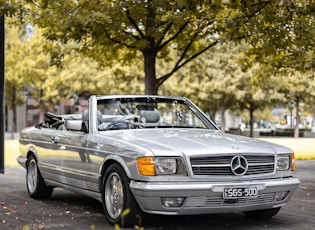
{"x":281,"y":195}
{"x":172,"y":202}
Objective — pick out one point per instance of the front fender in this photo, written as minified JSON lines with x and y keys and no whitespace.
{"x":116,"y":158}
{"x":25,"y":154}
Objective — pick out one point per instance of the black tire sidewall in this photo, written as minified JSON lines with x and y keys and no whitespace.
{"x":35,"y":192}
{"x":128,"y":199}
{"x":41,"y":191}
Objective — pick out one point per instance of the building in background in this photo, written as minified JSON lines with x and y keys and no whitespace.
{"x":28,"y":113}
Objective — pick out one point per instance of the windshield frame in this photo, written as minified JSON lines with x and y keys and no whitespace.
{"x":152,"y":102}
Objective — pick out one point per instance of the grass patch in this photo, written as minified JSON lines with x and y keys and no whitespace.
{"x":11,"y":152}
{"x":304,"y":148}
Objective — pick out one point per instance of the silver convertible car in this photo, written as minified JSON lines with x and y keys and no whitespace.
{"x":158,"y":155}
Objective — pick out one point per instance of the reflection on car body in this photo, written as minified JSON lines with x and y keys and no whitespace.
{"x":155,"y":154}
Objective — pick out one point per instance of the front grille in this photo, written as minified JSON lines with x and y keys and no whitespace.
{"x":221,"y":165}
{"x":207,"y":201}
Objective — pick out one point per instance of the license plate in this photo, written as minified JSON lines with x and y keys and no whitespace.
{"x":232,"y":193}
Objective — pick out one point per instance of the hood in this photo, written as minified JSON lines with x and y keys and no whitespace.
{"x":194,"y":142}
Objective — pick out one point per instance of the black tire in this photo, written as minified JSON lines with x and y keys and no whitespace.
{"x":262,"y":214}
{"x":117,"y":198}
{"x":36,"y":186}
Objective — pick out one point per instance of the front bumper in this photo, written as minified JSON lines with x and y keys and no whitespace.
{"x":206,"y":198}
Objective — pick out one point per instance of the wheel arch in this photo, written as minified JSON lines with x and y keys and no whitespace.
{"x":112,"y":160}
{"x":32,"y":151}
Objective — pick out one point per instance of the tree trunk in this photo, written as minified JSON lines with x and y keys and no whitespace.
{"x":42,"y":108}
{"x":14,"y":121}
{"x":41,"y":112}
{"x":12,"y":104}
{"x":149,"y":53}
{"x":211,"y":114}
{"x":297,"y":114}
{"x":222,"y":110}
{"x":251,"y":122}
{"x":150,"y":80}
{"x":14,"y":113}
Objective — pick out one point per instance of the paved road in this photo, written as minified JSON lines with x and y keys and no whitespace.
{"x":67,"y":210}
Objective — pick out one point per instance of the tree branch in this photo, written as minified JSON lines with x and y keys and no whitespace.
{"x":163,"y":35}
{"x":117,"y":41}
{"x":134,"y":24}
{"x":174,"y":36}
{"x":177,"y":66}
{"x":261,"y":6}
{"x":132,"y":35}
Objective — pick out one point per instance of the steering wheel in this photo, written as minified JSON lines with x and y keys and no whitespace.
{"x":120,"y":124}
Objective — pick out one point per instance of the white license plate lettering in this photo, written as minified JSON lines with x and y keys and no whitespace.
{"x":229,"y":193}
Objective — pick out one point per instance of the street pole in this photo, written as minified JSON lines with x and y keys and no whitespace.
{"x":2,"y":123}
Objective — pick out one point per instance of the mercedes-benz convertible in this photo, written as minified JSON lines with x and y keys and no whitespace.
{"x":158,"y":155}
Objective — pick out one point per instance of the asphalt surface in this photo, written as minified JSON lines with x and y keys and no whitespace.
{"x":67,"y":210}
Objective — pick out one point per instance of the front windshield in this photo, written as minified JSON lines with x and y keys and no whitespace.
{"x":148,"y":113}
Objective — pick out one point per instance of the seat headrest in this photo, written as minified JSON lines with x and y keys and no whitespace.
{"x":85,"y":116}
{"x":85,"y":121}
{"x":99,"y":117}
{"x":150,"y":116}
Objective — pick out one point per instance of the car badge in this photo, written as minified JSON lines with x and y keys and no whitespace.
{"x":239,"y":165}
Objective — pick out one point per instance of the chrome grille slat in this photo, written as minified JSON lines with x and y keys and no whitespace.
{"x":260,"y":169}
{"x":211,"y":160}
{"x":211,"y":171}
{"x":220,"y":202}
{"x":221,"y":165}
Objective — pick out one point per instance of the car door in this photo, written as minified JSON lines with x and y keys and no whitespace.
{"x":63,"y":158}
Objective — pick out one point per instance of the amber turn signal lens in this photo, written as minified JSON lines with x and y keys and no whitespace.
{"x":146,"y":166}
{"x":293,"y":162}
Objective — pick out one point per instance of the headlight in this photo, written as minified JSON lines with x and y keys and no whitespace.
{"x":165,"y":166}
{"x":150,"y":166}
{"x":286,"y":162}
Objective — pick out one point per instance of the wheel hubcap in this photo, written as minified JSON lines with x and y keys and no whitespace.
{"x":32,"y":176}
{"x":114,"y":195}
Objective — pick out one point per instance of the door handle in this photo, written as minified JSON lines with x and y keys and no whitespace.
{"x":55,"y":140}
